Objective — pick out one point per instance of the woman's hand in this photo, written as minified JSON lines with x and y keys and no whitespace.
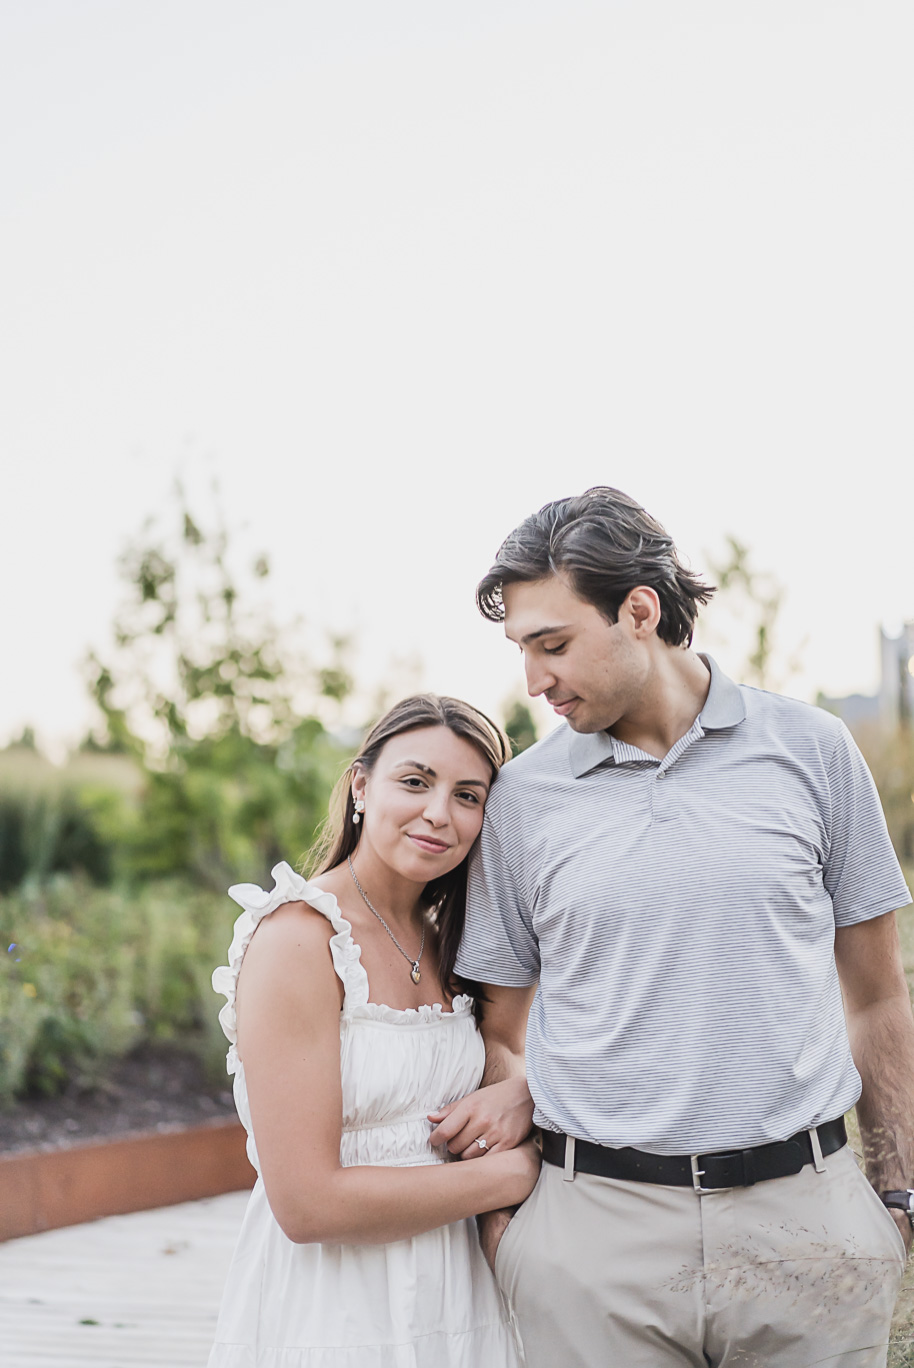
{"x":501,"y":1114}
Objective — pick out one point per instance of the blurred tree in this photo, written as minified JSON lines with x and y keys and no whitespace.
{"x":762,"y":596}
{"x":520,"y":726}
{"x":746,"y":609}
{"x":216,"y":703}
{"x":25,"y":741}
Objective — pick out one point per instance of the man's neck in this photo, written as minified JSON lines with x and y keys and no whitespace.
{"x":676,"y":691}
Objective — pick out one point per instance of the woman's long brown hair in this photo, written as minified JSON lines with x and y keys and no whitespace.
{"x":444,"y":898}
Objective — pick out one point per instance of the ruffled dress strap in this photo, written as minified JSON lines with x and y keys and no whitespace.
{"x":257,"y":903}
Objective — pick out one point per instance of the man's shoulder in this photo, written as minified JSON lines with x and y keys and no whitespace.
{"x":545,"y":758}
{"x":791,"y":717}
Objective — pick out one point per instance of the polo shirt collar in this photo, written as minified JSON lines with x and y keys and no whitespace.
{"x":724,"y":707}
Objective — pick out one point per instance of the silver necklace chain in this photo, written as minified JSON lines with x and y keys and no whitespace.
{"x":414,"y":963}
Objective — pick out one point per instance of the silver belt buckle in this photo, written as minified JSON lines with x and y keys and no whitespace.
{"x":697,"y":1175}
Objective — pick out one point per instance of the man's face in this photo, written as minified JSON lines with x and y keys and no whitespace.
{"x":591,"y":671}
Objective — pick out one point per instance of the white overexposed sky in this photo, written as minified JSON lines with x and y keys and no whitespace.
{"x":397,"y":274}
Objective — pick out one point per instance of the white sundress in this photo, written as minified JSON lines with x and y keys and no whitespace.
{"x":425,"y":1302}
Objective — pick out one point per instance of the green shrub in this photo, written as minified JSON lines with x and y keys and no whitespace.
{"x":96,"y":971}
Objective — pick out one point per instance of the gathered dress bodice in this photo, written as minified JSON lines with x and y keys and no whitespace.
{"x":396,"y":1065}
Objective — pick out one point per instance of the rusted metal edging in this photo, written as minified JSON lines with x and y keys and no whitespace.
{"x":46,"y":1189}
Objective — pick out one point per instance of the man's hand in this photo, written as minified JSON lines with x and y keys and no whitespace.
{"x":492,"y":1225}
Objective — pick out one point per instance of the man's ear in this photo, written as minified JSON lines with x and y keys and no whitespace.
{"x":642,"y":607}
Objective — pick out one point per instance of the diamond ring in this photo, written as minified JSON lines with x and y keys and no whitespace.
{"x":481,"y":1142}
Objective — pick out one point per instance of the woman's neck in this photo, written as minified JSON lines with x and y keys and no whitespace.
{"x":399,"y":900}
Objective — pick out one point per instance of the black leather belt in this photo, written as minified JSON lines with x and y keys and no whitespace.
{"x":703,"y":1172}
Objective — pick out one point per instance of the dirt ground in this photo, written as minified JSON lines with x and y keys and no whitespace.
{"x":149,"y":1090}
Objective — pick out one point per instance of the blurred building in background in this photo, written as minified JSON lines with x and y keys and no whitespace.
{"x":893,"y":705}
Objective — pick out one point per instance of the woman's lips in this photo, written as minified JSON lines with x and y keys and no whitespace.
{"x":426,"y":843}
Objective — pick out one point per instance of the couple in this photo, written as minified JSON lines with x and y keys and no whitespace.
{"x":679,"y":887}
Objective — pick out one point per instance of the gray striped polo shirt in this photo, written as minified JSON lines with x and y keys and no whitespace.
{"x":679,"y":918}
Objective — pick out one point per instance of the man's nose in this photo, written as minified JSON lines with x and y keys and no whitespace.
{"x":539,"y":677}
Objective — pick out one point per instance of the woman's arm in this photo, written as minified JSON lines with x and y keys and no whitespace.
{"x":289,"y":1040}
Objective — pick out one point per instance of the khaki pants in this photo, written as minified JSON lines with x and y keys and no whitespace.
{"x":790,"y":1273}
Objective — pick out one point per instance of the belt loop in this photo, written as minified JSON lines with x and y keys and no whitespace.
{"x":568,"y":1175}
{"x":818,"y":1158}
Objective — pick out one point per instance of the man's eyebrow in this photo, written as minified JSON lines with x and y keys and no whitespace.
{"x":427,"y":769}
{"x":541,"y":632}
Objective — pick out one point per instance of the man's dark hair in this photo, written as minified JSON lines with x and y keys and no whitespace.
{"x":604,"y":544}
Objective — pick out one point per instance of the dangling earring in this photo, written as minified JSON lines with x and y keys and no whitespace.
{"x":359,"y":809}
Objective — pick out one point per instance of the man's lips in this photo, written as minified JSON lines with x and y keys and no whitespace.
{"x":429,"y":844}
{"x":564,"y":706}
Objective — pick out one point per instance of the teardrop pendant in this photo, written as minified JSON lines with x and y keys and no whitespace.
{"x":414,"y":973}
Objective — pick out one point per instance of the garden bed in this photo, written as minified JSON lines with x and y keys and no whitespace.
{"x":153,"y":1088}
{"x":153,"y":1135}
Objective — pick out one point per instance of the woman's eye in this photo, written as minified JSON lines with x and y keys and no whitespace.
{"x":414,"y":781}
{"x":468,"y":793}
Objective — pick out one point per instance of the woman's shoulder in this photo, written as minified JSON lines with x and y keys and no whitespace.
{"x":293,"y":929}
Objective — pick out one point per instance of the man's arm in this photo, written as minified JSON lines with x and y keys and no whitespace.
{"x":881,"y":1030}
{"x":504,"y":1030}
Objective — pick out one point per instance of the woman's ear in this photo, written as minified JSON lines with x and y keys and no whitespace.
{"x":359,"y":781}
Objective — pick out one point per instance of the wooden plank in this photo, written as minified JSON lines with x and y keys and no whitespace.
{"x":142,"y":1289}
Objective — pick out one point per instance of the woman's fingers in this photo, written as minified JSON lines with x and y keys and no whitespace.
{"x":465,"y":1141}
{"x":455,"y":1118}
{"x":473,"y":1150}
{"x":461,"y":1128}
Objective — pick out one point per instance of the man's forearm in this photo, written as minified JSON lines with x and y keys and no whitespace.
{"x":882,"y":1041}
{"x":502,"y":1063}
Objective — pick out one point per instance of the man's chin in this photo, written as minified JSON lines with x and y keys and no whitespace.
{"x":586,"y":724}
{"x":583,"y":724}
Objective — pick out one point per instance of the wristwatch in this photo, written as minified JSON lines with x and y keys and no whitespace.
{"x":903,"y":1200}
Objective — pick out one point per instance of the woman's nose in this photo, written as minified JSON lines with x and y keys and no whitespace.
{"x":436,"y":809}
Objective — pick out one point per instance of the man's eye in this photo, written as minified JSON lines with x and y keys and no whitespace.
{"x":555,"y":650}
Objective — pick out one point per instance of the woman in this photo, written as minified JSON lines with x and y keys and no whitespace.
{"x":357,"y":1249}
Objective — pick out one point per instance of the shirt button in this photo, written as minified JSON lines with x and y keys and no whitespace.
{"x":661,"y":773}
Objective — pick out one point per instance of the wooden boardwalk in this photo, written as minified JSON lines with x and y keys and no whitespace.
{"x":123,"y":1291}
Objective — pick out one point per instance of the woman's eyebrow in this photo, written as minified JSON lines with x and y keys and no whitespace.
{"x":427,"y":769}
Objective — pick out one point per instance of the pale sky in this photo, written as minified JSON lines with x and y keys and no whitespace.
{"x":396,"y":274}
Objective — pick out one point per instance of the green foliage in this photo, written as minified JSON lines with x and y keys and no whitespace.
{"x":43,"y":833}
{"x":96,"y":971}
{"x":206,"y":692}
{"x":520,"y":727}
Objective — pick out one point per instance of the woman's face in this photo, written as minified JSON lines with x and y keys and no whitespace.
{"x":424,"y":801}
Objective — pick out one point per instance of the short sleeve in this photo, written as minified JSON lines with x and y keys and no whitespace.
{"x":499,"y":944}
{"x":861,"y":872}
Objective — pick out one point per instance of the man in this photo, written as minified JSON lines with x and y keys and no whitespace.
{"x":689,"y":875}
